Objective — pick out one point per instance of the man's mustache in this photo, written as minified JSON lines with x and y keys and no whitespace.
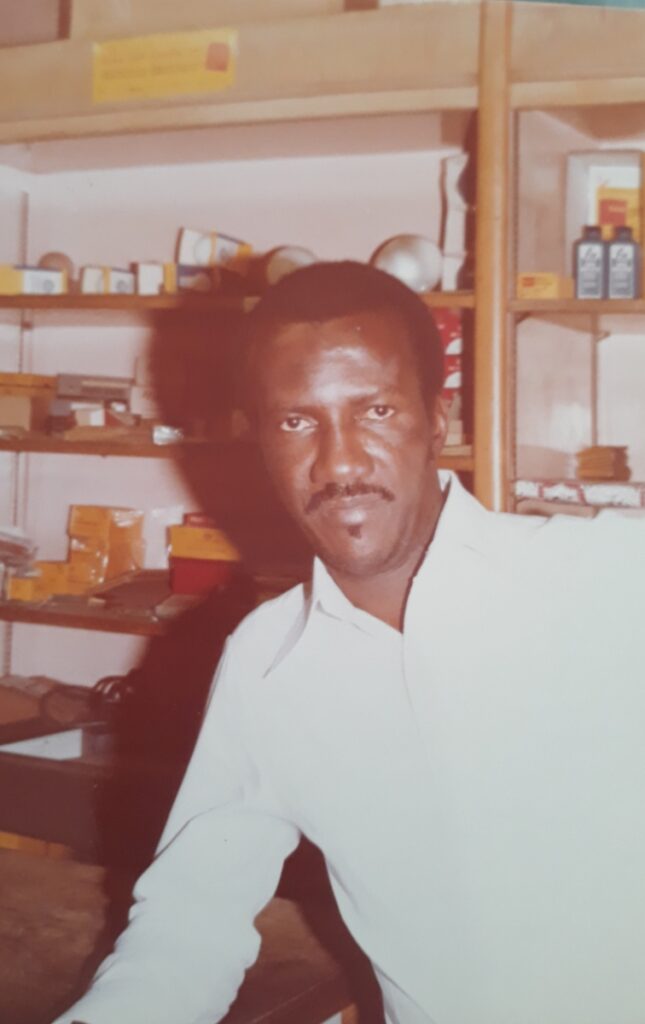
{"x":332,"y":491}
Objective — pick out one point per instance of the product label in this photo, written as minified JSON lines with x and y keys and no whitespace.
{"x":589,"y":270}
{"x":622,"y":272}
{"x":168,"y":64}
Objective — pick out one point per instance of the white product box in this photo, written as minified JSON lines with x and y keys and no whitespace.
{"x":107,"y":281}
{"x":592,"y":176}
{"x":31,"y":281}
{"x":150,"y":278}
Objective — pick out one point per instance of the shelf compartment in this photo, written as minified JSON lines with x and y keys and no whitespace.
{"x":369,"y":61}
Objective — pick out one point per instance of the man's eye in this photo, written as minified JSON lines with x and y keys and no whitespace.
{"x":379,"y":412}
{"x":293,"y":424}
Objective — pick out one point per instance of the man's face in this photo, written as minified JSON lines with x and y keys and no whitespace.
{"x":348,"y":438}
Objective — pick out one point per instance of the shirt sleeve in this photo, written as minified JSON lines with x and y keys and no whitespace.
{"x":191,"y":936}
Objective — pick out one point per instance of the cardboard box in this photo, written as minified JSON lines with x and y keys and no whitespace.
{"x":31,"y":281}
{"x":544,"y":285}
{"x":201,"y":543}
{"x":107,"y":281}
{"x":26,"y":588}
{"x":31,"y":384}
{"x":54,"y":576}
{"x":88,"y":559}
{"x":211,"y":249}
{"x":105,"y":542}
{"x":198,"y":575}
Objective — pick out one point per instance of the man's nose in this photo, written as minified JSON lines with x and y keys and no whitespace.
{"x":341,"y":456}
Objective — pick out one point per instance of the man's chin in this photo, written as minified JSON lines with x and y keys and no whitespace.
{"x":359,"y":560}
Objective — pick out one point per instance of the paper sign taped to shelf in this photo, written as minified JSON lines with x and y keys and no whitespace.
{"x":167,"y":64}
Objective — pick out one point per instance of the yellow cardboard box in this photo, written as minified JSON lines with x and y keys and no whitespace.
{"x":544,"y":285}
{"x":26,"y":588}
{"x":201,"y":542}
{"x":54,"y":576}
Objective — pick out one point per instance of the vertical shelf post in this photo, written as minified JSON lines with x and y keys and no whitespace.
{"x":491,"y":259}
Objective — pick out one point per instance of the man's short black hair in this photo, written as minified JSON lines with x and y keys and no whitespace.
{"x":327,"y":291}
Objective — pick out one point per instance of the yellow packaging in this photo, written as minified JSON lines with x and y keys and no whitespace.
{"x":26,"y":588}
{"x":106,"y":523}
{"x":30,"y":384}
{"x":544,"y":285}
{"x":10,"y":280}
{"x":616,"y":206}
{"x":201,"y":542}
{"x":104,"y":542}
{"x":88,"y":560}
{"x":54,"y":576}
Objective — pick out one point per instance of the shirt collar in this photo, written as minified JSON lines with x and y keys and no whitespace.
{"x":459,"y":522}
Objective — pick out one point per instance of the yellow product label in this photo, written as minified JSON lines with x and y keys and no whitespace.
{"x":10,"y":280}
{"x":199,"y":542}
{"x":618,"y":206}
{"x":167,"y":64}
{"x":54,"y":576}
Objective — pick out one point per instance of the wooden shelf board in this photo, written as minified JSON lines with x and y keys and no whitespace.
{"x":449,"y":300}
{"x":593,"y":307}
{"x":80,"y":616}
{"x":122,"y":303}
{"x":129,"y":448}
{"x":582,"y":92}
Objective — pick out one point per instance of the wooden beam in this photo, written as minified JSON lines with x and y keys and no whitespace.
{"x":491,"y":287}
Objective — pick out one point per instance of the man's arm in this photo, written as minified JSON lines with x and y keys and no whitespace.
{"x":190,"y":938}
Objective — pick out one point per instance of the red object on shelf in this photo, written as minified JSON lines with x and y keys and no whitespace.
{"x":199,"y":575}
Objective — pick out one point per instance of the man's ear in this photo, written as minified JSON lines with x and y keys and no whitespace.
{"x":439,"y":420}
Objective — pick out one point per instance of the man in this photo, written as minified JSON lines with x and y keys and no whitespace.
{"x":453,"y":711}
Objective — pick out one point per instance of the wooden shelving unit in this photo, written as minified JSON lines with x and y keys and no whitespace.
{"x":81,"y":616}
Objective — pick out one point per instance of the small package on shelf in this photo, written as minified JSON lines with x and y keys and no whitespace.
{"x":210,"y":249}
{"x":105,"y":540}
{"x":32,"y":281}
{"x":201,"y":556}
{"x":603,"y":462}
{"x":56,"y":579}
{"x":150,"y":278}
{"x":25,"y":586}
{"x":544,"y":285}
{"x":107,"y":281}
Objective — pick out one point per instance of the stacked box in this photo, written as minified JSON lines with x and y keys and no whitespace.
{"x":201,"y":556}
{"x":105,"y":542}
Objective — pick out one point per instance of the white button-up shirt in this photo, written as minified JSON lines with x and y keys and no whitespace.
{"x":476,"y":784}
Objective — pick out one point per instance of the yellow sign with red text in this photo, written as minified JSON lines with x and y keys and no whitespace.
{"x":167,"y":64}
